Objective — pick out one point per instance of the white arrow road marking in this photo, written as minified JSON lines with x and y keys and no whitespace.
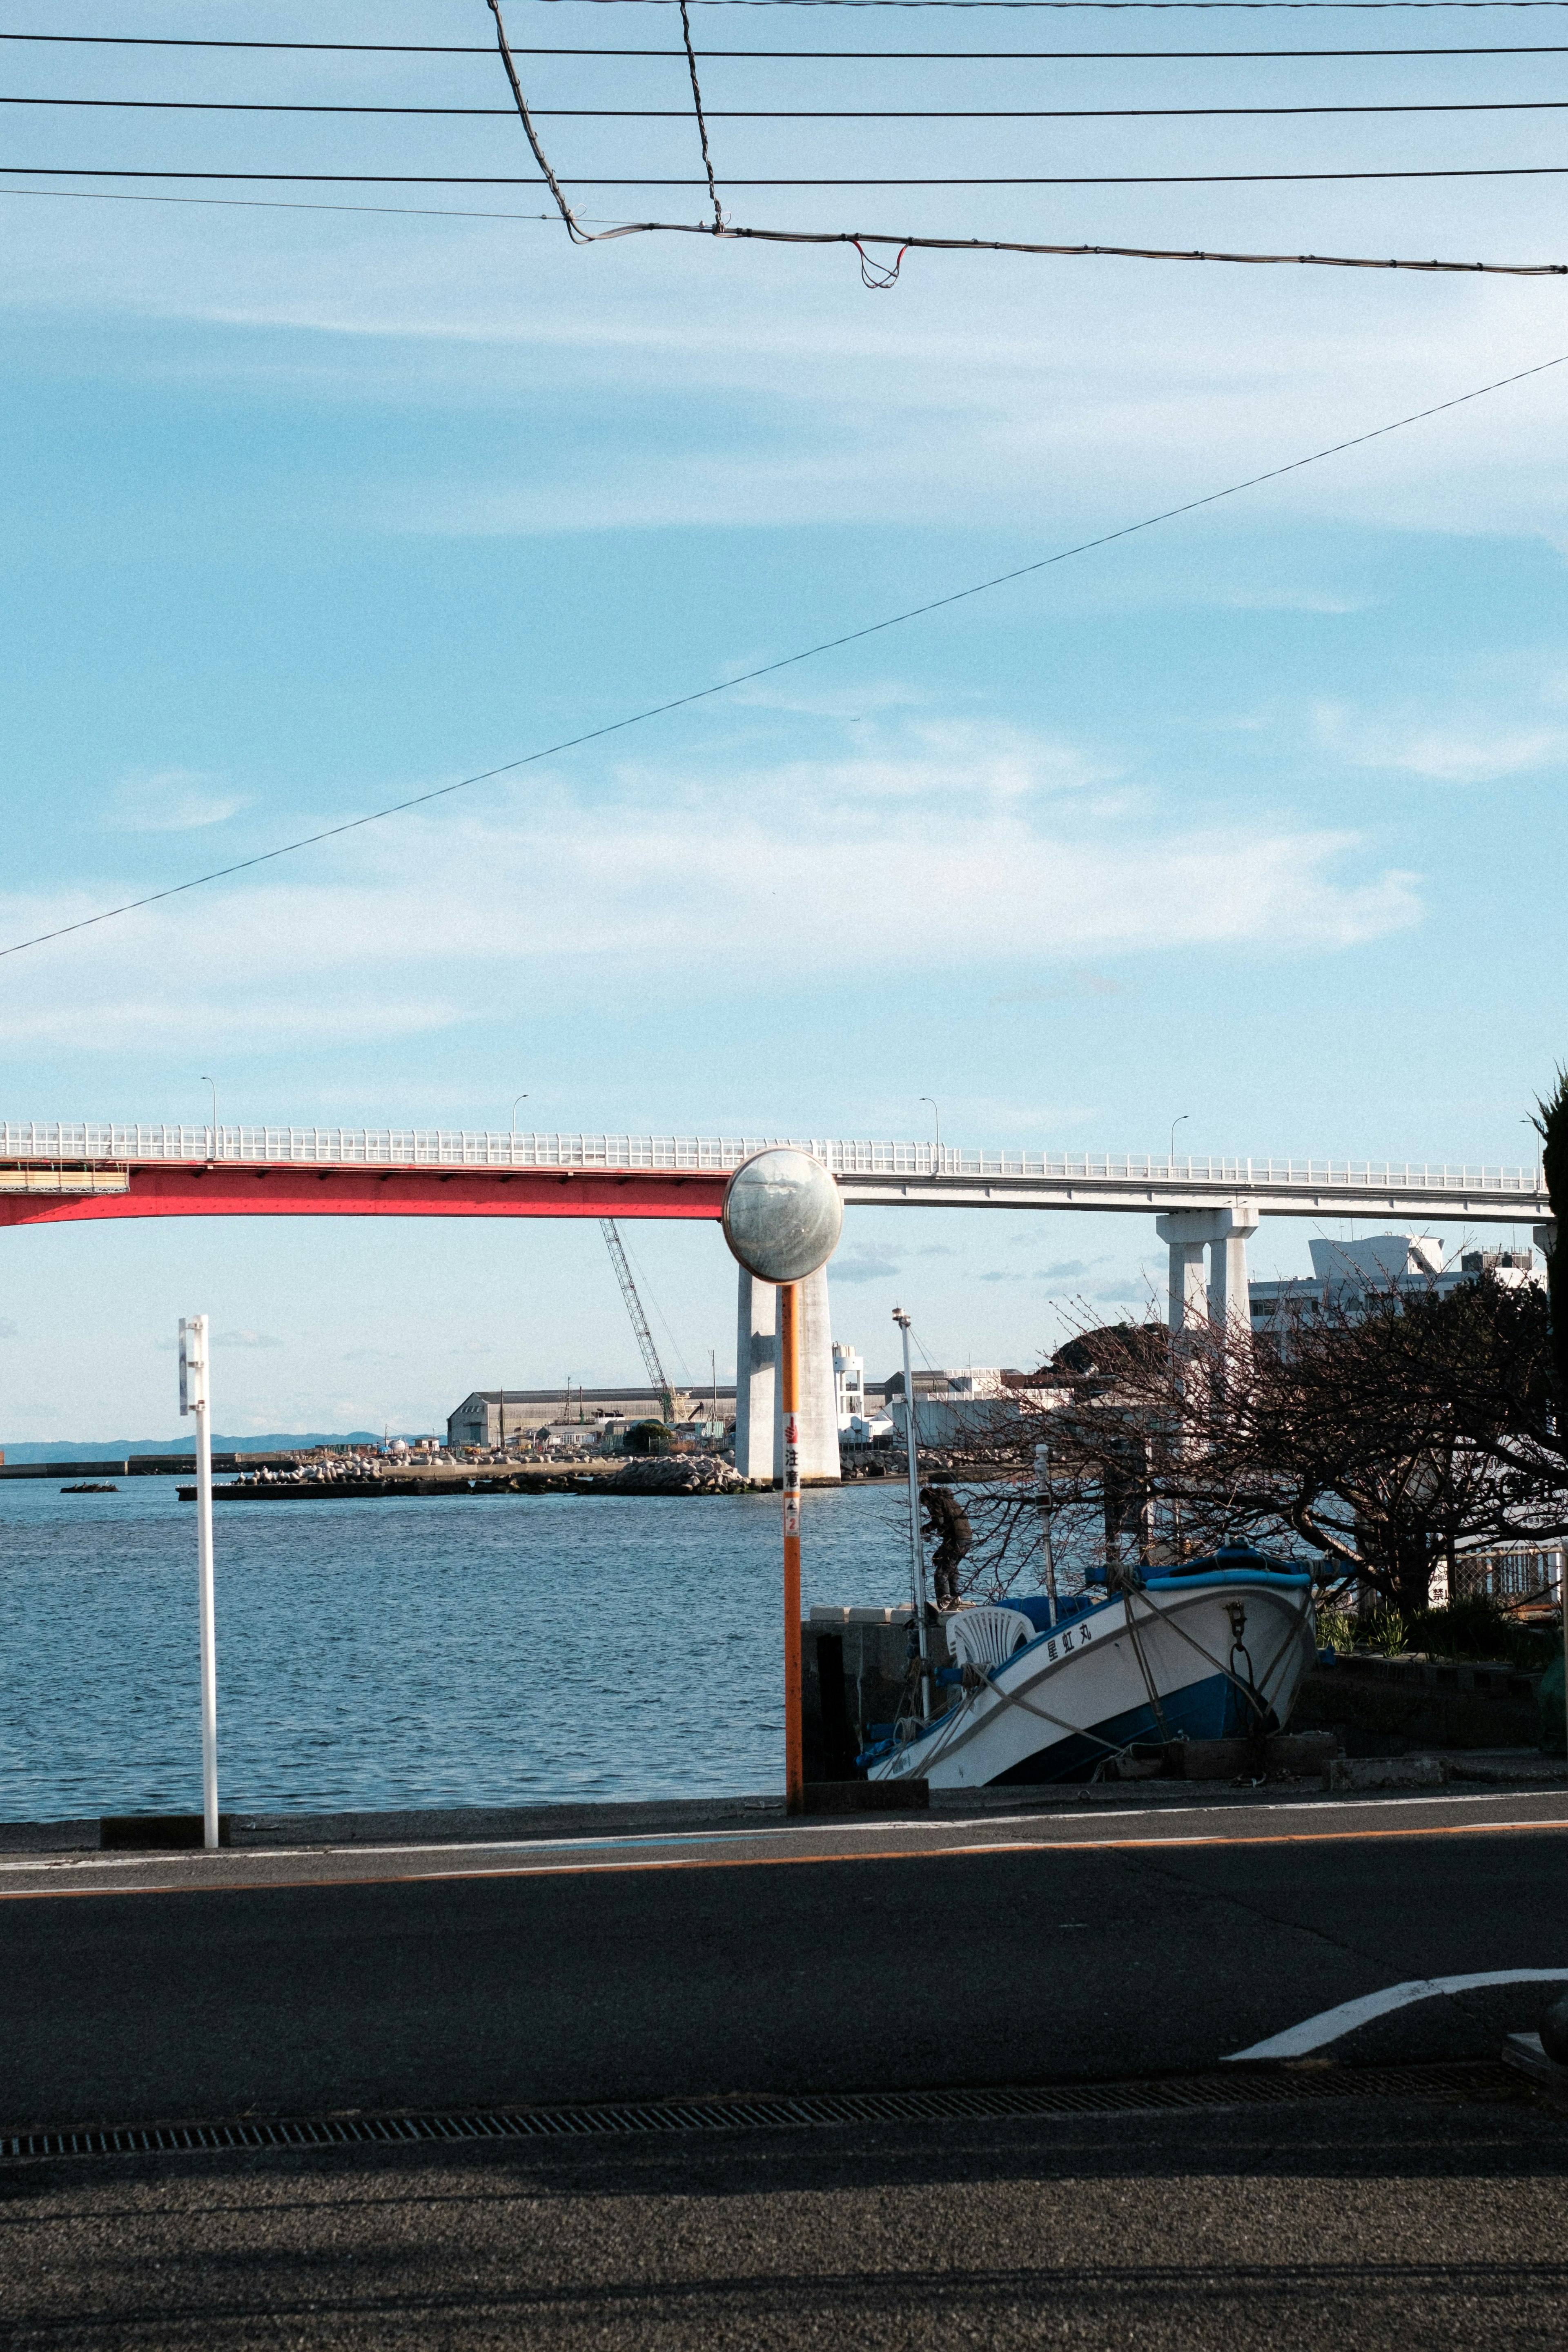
{"x":1329,"y":2024}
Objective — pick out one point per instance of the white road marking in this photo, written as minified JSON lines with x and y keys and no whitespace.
{"x":1332,"y":2024}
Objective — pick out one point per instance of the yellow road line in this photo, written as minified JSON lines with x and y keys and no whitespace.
{"x":794,"y":1861}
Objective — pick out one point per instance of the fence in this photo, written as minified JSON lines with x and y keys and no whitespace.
{"x":242,"y":1144}
{"x":1535,"y":1573}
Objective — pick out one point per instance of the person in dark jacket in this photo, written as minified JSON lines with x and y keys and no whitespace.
{"x":947,"y":1519}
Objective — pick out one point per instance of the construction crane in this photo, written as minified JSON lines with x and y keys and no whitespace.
{"x":669,"y":1397}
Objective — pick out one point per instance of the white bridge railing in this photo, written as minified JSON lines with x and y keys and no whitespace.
{"x":364,"y":1147}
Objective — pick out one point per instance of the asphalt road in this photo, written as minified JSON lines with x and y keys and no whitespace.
{"x":874,"y":1954}
{"x":1359,"y":2228}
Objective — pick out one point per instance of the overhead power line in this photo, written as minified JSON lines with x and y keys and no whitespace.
{"x":874,"y":273}
{"x":1311,"y":7}
{"x":814,"y":56}
{"x":1308,"y":8}
{"x":821,"y":113}
{"x":697,"y":106}
{"x":791,"y":661}
{"x":814,"y":237}
{"x":957,"y":179}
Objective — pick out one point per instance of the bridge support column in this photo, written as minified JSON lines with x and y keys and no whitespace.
{"x":1186,"y":1292}
{"x":1225,"y":1233}
{"x":1227,"y":1264}
{"x":759,"y":1397}
{"x":756,"y":1377}
{"x":819,"y":1396}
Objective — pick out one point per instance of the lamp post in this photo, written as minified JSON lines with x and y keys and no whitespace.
{"x":196,"y":1396}
{"x":1043,"y":1489}
{"x":783,"y":1216}
{"x":213,"y":1083}
{"x":937,"y":1115}
{"x":917,"y":1548}
{"x":1170,"y":1149}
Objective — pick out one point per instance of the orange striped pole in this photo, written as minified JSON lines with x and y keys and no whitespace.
{"x":789,"y":1375}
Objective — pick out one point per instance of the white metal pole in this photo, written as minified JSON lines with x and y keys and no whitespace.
{"x":1043,"y":1489}
{"x":917,"y":1548}
{"x":209,"y":1644}
{"x":196,"y":1395}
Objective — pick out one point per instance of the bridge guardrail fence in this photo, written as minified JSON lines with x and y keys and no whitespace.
{"x":113,"y":1144}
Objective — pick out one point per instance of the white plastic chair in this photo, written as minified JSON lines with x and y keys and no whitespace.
{"x":986,"y":1637}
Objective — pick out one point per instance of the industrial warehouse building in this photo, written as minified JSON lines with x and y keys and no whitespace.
{"x":501,"y":1416}
{"x":946,"y":1400}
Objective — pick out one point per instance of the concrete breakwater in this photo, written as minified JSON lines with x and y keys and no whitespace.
{"x":675,"y":1475}
{"x":143,"y":1466}
{"x":698,"y":1474}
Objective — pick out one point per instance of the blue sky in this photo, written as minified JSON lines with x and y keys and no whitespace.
{"x":1256,"y":818}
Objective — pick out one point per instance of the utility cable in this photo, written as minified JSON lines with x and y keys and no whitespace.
{"x":573,"y":231}
{"x":790,"y":661}
{"x":1311,"y":8}
{"x":816,"y":56}
{"x":956,"y":180}
{"x":701,"y":125}
{"x":859,"y":240}
{"x":810,"y":236}
{"x":817,"y":114}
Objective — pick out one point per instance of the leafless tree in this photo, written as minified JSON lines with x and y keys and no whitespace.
{"x":1382,"y":1431}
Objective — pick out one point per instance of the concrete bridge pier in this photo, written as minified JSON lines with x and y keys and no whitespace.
{"x":759,"y":1398}
{"x":1225,"y":1233}
{"x":756,"y":1350}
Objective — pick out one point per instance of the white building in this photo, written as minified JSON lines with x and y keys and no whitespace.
{"x":848,"y":1386}
{"x":948,"y":1405}
{"x":1344,"y":1272}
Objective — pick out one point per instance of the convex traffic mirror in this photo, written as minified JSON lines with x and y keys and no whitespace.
{"x":783,"y":1214}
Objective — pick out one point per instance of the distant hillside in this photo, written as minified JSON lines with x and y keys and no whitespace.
{"x":120,"y":1449}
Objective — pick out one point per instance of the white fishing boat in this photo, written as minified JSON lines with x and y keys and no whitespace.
{"x":1051,"y":1690}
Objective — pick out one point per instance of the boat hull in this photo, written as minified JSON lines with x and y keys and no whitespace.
{"x":1176,"y":1668}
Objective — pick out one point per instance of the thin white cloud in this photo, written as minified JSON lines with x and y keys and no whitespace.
{"x":865,"y":1262}
{"x":1077,"y":984}
{"x":170,"y":800}
{"x":1453,"y":752}
{"x":971,"y":396}
{"x":1125,"y":1294}
{"x":1295,"y":600}
{"x":972,"y":853}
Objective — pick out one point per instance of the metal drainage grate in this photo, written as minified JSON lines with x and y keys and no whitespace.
{"x":1459,"y":2079}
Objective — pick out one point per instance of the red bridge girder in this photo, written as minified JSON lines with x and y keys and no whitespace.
{"x":354,"y":1192}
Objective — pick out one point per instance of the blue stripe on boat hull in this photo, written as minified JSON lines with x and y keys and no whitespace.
{"x":1210,"y":1709}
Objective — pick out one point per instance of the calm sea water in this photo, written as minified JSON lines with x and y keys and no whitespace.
{"x":492,"y":1650}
